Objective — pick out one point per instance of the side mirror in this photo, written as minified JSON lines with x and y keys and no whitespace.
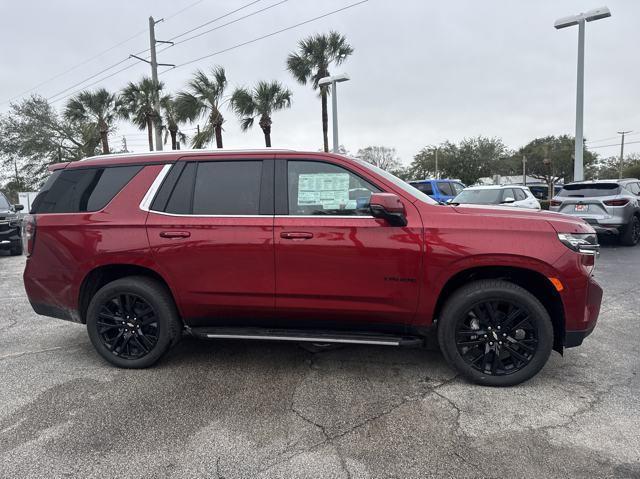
{"x":508,"y":199}
{"x":18,"y":207}
{"x":388,"y":207}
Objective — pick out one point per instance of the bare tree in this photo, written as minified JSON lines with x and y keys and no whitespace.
{"x":380,"y":156}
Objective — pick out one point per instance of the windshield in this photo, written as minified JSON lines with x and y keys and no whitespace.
{"x":397,"y":182}
{"x":586,"y":190}
{"x":478,"y":197}
{"x":4,"y":204}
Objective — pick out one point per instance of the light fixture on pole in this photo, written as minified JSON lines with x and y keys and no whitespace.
{"x":580,"y":19}
{"x":332,"y":80}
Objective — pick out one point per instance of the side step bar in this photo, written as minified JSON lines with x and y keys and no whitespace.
{"x":310,"y":336}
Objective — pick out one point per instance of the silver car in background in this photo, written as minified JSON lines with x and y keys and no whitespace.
{"x":504,"y":195}
{"x":610,"y":206}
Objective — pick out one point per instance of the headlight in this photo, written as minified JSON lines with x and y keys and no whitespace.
{"x":585,"y":243}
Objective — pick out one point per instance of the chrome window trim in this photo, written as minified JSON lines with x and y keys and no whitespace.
{"x":145,"y":204}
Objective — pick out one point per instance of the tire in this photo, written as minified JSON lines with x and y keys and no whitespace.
{"x":630,"y":236}
{"x":139,"y":334}
{"x":16,"y":250}
{"x":521,"y":352}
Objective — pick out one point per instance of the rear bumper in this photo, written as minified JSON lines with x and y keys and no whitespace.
{"x":573,"y":338}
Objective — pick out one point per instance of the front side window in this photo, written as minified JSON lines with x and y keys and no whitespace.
{"x":4,"y":204}
{"x":520,"y":195}
{"x":458,"y":187}
{"x":317,"y":188}
{"x":480,"y":196}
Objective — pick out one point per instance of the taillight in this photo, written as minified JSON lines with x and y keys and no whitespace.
{"x":555,"y":203}
{"x":620,"y":202}
{"x":29,"y":225}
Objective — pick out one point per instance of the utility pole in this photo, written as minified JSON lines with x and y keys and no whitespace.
{"x":153,"y":61}
{"x":437,"y":163}
{"x":124,"y":144}
{"x":524,"y":170}
{"x":622,"y":152}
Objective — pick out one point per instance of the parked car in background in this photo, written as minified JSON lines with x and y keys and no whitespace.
{"x":10,"y":227}
{"x":440,"y":190}
{"x":610,"y":206}
{"x":306,"y":247}
{"x":507,"y":195}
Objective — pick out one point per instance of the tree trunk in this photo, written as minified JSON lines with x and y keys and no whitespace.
{"x":325,"y":119}
{"x":174,"y":142}
{"x":218,"y":130}
{"x":150,"y":132}
{"x":265,"y":124}
{"x":105,"y":142}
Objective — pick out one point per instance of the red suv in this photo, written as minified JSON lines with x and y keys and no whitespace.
{"x":294,"y":246}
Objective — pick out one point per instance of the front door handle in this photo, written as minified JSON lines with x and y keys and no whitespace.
{"x":175,"y":234}
{"x":296,"y":235}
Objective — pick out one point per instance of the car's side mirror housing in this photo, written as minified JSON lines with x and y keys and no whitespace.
{"x":18,"y":207}
{"x":508,"y":200}
{"x":388,"y":207}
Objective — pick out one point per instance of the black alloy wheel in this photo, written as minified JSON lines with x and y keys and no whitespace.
{"x":495,"y":333}
{"x":497,"y":337}
{"x":133,"y":321}
{"x":128,"y":326}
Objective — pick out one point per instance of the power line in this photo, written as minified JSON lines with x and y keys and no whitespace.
{"x":84,"y":62}
{"x":615,"y":144}
{"x":267,"y":35}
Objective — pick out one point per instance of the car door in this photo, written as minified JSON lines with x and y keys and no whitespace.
{"x":210,"y":228}
{"x":335,"y":263}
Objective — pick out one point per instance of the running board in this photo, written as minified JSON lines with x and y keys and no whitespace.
{"x":309,"y":336}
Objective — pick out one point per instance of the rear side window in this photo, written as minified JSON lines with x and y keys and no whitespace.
{"x":217,"y":188}
{"x":520,"y":195}
{"x":445,"y":188}
{"x":80,"y":190}
{"x":589,"y":190}
{"x":426,"y":188}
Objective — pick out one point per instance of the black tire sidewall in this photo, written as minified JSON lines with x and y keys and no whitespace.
{"x":626,"y":238}
{"x":157,"y":297}
{"x":464,"y":299}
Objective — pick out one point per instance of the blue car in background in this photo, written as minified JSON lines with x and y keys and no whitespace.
{"x":439,"y":190}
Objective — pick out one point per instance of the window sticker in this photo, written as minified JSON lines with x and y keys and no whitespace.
{"x":328,"y":190}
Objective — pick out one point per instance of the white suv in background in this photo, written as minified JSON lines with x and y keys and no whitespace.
{"x":505,"y":195}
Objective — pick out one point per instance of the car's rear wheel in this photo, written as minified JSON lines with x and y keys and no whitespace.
{"x":495,"y":333}
{"x":132,"y":322}
{"x":630,"y":236}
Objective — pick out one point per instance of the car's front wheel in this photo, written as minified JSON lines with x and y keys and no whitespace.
{"x":495,"y":333}
{"x":132,"y":322}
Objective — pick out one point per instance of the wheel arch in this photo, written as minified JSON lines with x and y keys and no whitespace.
{"x":533,"y":281}
{"x":102,"y":275}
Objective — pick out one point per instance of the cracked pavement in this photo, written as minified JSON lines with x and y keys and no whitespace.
{"x":233,"y":409}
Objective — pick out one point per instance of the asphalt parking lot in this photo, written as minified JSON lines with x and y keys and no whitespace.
{"x":249,"y":409}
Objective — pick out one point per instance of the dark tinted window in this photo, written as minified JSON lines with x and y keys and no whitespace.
{"x":318,"y":188}
{"x":426,"y":188}
{"x":588,"y":190}
{"x":227,"y":188}
{"x":182,"y":195}
{"x":78,"y":190}
{"x":445,"y":188}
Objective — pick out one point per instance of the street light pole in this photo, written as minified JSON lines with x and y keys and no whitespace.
{"x":580,"y":19}
{"x":333,"y":80}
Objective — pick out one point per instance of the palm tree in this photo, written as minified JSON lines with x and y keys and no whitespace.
{"x":136,"y":103}
{"x":311,"y":63}
{"x":98,"y":108}
{"x":171,"y":121}
{"x":204,"y":100}
{"x":261,"y":102}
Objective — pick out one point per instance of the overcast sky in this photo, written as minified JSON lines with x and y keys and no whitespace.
{"x":422,"y":71}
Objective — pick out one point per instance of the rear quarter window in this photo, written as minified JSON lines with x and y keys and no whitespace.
{"x":82,"y":190}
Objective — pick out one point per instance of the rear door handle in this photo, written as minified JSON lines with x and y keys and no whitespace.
{"x":296,"y":235}
{"x":175,"y":234}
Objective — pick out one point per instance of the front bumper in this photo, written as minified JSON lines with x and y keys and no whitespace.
{"x":10,"y":236}
{"x":573,"y":338}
